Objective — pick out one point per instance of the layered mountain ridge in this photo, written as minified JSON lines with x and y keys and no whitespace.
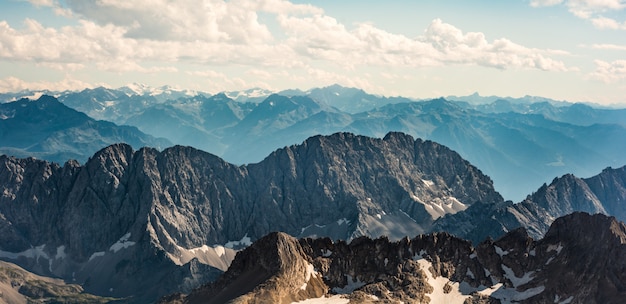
{"x":521,"y":143}
{"x":183,"y":205}
{"x":603,"y":193}
{"x":578,"y":261}
{"x":47,"y":129}
{"x":145,"y":223}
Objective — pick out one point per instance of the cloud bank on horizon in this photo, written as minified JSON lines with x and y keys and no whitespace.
{"x":562,"y":49}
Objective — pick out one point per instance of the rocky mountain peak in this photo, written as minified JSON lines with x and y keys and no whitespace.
{"x":437,"y":268}
{"x":581,"y":227}
{"x":375,"y":181}
{"x":181,"y":207}
{"x":276,"y":262}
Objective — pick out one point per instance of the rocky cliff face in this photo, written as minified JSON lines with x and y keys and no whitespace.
{"x":604,"y":193}
{"x":277,"y":263}
{"x":580,"y":260}
{"x":365,"y":184}
{"x":144,"y":223}
{"x":89,"y":225}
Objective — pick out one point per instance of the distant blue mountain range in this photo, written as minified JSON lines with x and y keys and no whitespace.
{"x":520,"y":142}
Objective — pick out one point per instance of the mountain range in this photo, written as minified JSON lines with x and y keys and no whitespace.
{"x":580,"y":260}
{"x":520,"y":143}
{"x":47,"y":129}
{"x":156,"y":222}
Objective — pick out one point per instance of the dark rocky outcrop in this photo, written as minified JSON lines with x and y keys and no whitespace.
{"x":580,"y":260}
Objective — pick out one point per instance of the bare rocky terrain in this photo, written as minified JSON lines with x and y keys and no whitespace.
{"x":141,"y":224}
{"x":580,"y":260}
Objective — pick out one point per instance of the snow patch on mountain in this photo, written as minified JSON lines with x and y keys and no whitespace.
{"x":247,"y":95}
{"x":440,"y":284}
{"x":557,"y":248}
{"x":343,"y":221}
{"x":335,"y":299}
{"x":310,"y":271}
{"x":31,"y":253}
{"x":96,"y":255}
{"x":60,"y":253}
{"x":244,"y":242}
{"x":217,"y":256}
{"x":517,"y":281}
{"x":166,"y":90}
{"x":122,"y":243}
{"x":439,"y":207}
{"x":500,"y":252}
{"x":510,"y":295}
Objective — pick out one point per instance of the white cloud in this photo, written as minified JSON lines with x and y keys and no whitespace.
{"x":207,"y":74}
{"x":598,"y":5}
{"x":613,"y":47}
{"x":609,"y":72}
{"x":590,"y":10}
{"x":155,"y":36}
{"x":62,"y":66}
{"x":39,"y":3}
{"x":323,"y":38}
{"x":608,"y":23}
{"x":454,"y":46}
{"x":208,"y":20}
{"x":540,"y":3}
{"x":219,"y":82}
{"x":125,"y":67}
{"x":13,"y":84}
{"x":260,"y":74}
{"x":284,"y":7}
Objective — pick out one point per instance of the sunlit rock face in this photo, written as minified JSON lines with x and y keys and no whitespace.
{"x":580,"y":260}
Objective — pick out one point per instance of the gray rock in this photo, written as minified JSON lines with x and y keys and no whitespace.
{"x":135,"y":217}
{"x":580,"y":260}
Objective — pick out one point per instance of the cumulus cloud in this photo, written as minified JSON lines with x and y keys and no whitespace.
{"x":14,"y":84}
{"x":177,"y":21}
{"x":591,"y":10}
{"x":322,"y":37}
{"x":208,"y":20}
{"x":609,"y":72}
{"x":130,"y":36}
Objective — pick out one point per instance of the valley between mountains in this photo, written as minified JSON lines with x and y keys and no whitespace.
{"x":391,"y":216}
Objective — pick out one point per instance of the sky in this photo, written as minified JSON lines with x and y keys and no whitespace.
{"x":572,"y":50}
